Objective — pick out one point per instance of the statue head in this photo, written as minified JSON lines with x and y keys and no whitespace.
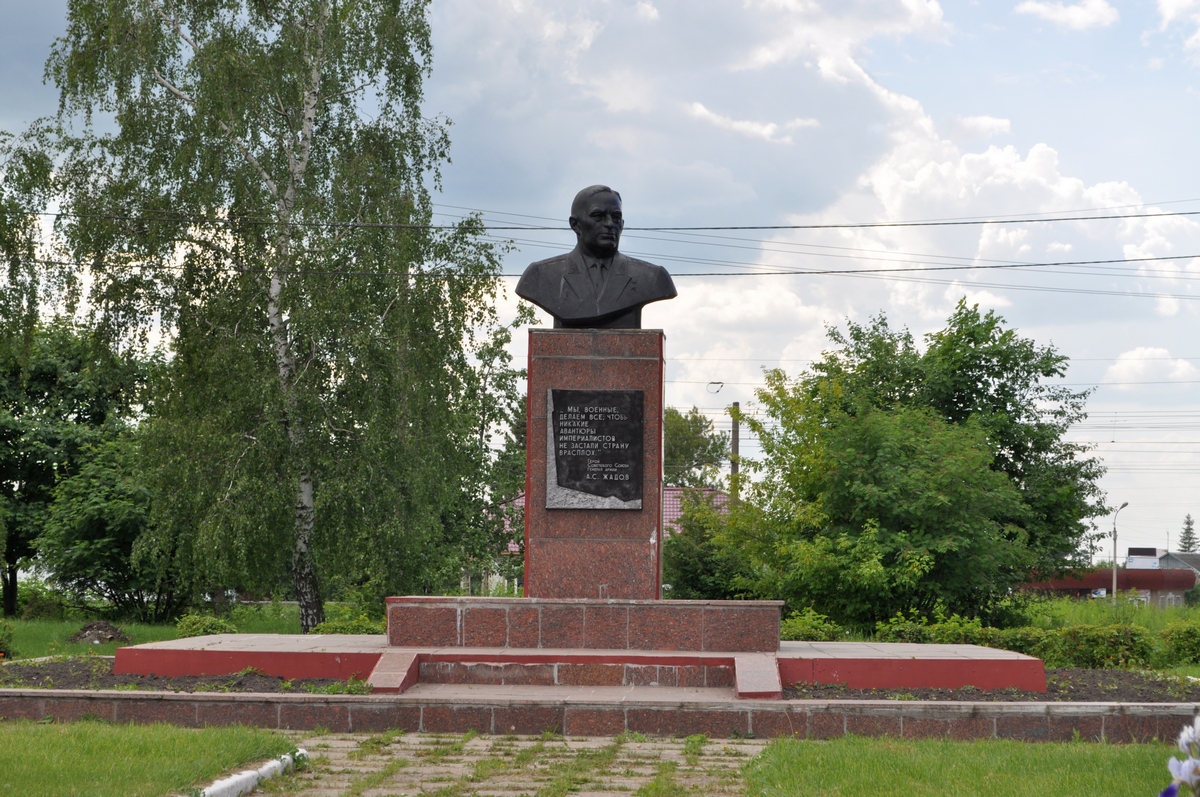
{"x":597,"y":221}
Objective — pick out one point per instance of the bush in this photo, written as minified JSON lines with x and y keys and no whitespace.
{"x":356,"y":625}
{"x":957,"y":631}
{"x":809,"y":626}
{"x":1181,"y":643}
{"x":6,"y":638}
{"x":1108,"y":646}
{"x":203,"y":625}
{"x":1032,"y":641}
{"x":37,"y":600}
{"x":1192,"y":596}
{"x":901,"y":629}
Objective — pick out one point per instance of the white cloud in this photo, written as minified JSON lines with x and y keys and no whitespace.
{"x":646,"y":10}
{"x":965,"y":127}
{"x":1147,"y":364}
{"x":1186,"y":11}
{"x":805,"y":27}
{"x":1077,"y":16}
{"x":1175,"y":10}
{"x":767,"y":131}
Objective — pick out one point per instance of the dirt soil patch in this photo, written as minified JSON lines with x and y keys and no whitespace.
{"x":95,"y":672}
{"x":98,"y":633}
{"x":1066,"y":685}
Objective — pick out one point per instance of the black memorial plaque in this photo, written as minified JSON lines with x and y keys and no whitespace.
{"x":598,"y":442}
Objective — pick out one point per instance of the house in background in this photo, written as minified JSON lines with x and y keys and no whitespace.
{"x":1175,"y":560}
{"x":673,"y":504}
{"x":1160,"y":587}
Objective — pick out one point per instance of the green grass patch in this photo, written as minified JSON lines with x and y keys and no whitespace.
{"x":36,"y":638}
{"x":932,"y":768}
{"x":1054,"y":613}
{"x":104,"y":760}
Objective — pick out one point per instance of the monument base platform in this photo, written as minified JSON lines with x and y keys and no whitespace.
{"x":560,"y":673}
{"x":702,"y":626}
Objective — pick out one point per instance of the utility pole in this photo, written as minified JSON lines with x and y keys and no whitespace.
{"x":733,"y":452}
{"x":1114,"y":595}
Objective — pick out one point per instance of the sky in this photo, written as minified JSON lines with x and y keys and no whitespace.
{"x":724,"y":113}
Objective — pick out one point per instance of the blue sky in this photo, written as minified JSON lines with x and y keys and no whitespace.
{"x":760,"y":112}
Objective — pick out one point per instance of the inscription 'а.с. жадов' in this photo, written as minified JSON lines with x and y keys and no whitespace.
{"x":594,"y":449}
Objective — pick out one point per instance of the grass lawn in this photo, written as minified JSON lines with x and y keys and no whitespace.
{"x":933,"y":768}
{"x":99,"y":759}
{"x":35,"y":638}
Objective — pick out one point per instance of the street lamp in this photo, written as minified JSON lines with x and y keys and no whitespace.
{"x":1114,"y":595}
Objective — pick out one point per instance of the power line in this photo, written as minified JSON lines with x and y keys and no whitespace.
{"x":176,"y":219}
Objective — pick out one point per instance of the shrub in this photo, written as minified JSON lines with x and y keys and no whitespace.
{"x":902,"y":629}
{"x":1032,"y":641}
{"x":6,"y":638}
{"x":1182,"y":643}
{"x":1107,"y":646}
{"x":37,"y":600}
{"x":1192,"y":596}
{"x":957,"y":631}
{"x":203,"y":625}
{"x":351,"y":625}
{"x":809,"y":626}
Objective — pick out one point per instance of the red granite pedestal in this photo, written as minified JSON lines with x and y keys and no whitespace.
{"x":594,"y":553}
{"x":593,"y":564}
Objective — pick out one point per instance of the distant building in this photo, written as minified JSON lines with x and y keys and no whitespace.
{"x":1180,"y":561}
{"x":1160,"y":587}
{"x":673,"y":504}
{"x":1144,"y":558}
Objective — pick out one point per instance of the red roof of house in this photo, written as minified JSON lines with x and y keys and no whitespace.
{"x":673,"y":504}
{"x":1126,"y":579}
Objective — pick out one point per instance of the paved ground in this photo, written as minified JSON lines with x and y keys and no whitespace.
{"x":404,"y":765}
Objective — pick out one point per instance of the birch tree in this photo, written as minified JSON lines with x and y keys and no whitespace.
{"x":262,"y":196}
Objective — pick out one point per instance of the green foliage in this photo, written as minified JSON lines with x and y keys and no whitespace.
{"x":1038,"y":642}
{"x":351,"y":687}
{"x":809,"y":626}
{"x":896,"y":481}
{"x":191,"y":625}
{"x":354,"y":625}
{"x":63,"y":389}
{"x":956,"y":630}
{"x":1182,"y":642}
{"x":1108,"y":646}
{"x":92,"y":527}
{"x":692,"y":450}
{"x":698,"y":561}
{"x":6,"y":639}
{"x":1192,"y":596}
{"x":336,"y":366}
{"x":41,"y":601}
{"x":899,"y":628}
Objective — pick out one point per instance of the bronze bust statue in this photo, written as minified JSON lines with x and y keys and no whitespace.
{"x":594,"y":286}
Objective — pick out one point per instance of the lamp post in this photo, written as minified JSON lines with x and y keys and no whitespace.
{"x":1114,"y":594}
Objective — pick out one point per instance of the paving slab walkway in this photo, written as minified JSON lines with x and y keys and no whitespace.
{"x":405,"y":765}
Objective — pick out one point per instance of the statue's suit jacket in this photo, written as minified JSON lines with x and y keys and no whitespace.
{"x":560,"y":286}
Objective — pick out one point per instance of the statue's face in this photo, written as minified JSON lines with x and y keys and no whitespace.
{"x":598,"y":224}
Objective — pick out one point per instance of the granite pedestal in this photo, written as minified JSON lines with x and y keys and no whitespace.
{"x":599,"y":553}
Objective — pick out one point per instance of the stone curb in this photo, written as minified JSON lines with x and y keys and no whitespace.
{"x":581,"y":716}
{"x":247,"y":781}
